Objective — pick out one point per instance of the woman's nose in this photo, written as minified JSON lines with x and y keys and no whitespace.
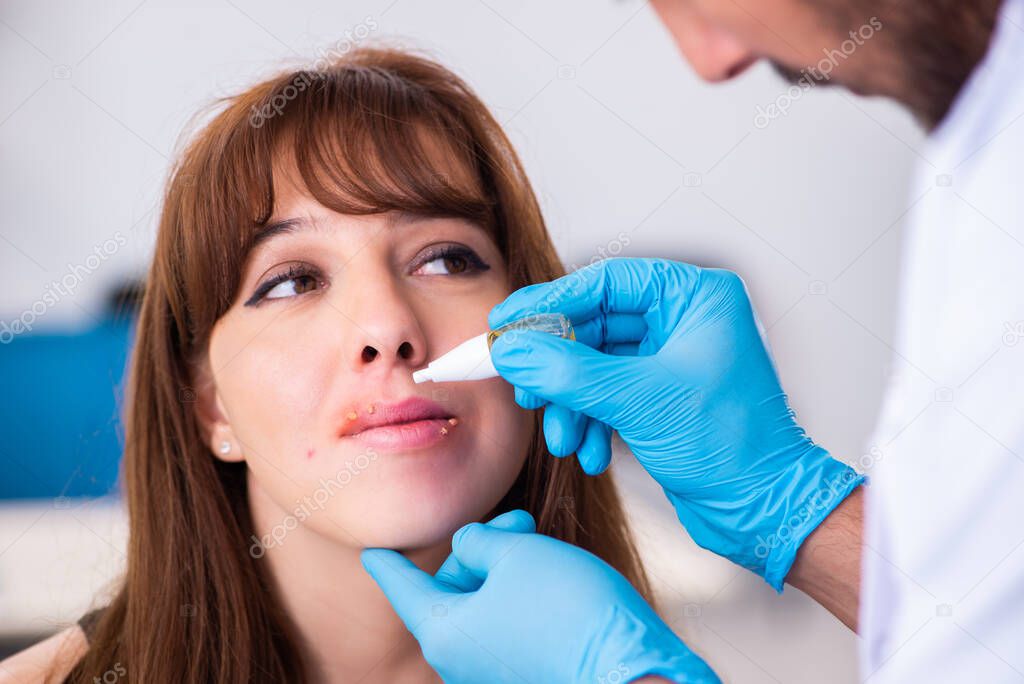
{"x":385,"y":331}
{"x":371,"y":353}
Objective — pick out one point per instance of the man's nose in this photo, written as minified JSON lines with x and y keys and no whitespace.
{"x":714,"y":53}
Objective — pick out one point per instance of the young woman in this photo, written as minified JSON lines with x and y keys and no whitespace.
{"x":326,"y":234}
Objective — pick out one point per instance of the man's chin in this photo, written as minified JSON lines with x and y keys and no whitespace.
{"x":787,"y":74}
{"x":799,"y":77}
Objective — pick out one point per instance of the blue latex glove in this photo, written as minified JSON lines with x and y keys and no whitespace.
{"x":670,"y":356}
{"x":530,"y":609}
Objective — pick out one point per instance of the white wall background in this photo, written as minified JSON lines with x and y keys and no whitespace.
{"x":618,"y":136}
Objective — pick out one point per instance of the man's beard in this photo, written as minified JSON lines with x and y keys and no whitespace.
{"x":931,"y":48}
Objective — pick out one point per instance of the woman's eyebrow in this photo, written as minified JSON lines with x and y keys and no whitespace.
{"x":264,"y":233}
{"x":395,"y":219}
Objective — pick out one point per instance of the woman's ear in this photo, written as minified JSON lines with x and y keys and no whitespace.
{"x":213,"y":420}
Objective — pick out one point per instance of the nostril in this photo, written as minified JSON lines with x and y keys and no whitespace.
{"x":369,"y":354}
{"x":405,"y":351}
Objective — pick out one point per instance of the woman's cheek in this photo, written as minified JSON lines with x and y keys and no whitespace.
{"x":281,"y":392}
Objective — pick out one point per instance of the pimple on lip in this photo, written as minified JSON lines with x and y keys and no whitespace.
{"x":451,"y":421}
{"x":310,"y":452}
{"x":370,"y":408}
{"x":352,"y":415}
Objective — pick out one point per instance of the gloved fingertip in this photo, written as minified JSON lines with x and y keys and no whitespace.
{"x":563,"y":430}
{"x":460,"y":534}
{"x":497,"y":317}
{"x":375,"y":561}
{"x":595,"y":467}
{"x":555,"y":438}
{"x":595,"y":452}
{"x":370,"y":558}
{"x":528,"y":400}
{"x":516,"y":520}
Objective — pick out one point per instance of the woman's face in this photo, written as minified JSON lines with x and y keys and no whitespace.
{"x":333,"y":315}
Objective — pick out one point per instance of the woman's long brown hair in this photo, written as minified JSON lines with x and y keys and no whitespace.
{"x":194,"y":606}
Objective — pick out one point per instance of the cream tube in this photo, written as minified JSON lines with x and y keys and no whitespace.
{"x":471,"y":360}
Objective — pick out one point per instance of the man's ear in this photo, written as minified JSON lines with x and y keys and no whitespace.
{"x":213,"y":420}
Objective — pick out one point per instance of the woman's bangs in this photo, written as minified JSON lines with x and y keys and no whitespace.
{"x":365,"y":142}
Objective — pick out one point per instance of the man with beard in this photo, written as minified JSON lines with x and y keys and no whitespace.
{"x":928,"y":562}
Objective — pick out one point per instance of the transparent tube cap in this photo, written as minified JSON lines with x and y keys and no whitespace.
{"x":471,"y":360}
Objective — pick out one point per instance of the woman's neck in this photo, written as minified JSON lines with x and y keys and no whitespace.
{"x":347,"y":630}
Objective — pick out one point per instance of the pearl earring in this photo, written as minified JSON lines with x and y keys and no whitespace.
{"x":225,"y":447}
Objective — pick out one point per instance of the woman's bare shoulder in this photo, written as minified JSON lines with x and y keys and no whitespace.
{"x":48,"y":661}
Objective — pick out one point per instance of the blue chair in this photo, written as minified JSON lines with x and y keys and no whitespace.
{"x":60,"y":412}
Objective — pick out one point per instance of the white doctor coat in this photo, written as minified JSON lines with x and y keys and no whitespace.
{"x":943,"y":583}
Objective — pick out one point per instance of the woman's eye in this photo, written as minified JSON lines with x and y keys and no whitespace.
{"x":297,"y":280}
{"x":452,"y":261}
{"x":293,"y":286}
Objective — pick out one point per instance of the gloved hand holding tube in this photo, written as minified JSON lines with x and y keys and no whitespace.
{"x":669,"y":355}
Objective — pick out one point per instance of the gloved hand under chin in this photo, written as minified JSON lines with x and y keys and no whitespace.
{"x":670,"y":356}
{"x":510,"y":605}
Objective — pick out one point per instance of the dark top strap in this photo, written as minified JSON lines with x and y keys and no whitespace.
{"x":88,"y":622}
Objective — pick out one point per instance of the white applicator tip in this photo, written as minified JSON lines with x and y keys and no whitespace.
{"x":471,"y":360}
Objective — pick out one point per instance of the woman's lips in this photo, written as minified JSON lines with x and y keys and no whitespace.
{"x":409,"y":424}
{"x":416,"y":434}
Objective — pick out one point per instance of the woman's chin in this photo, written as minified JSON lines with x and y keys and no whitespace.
{"x":417,"y":529}
{"x":406,"y":522}
{"x":407,"y":500}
